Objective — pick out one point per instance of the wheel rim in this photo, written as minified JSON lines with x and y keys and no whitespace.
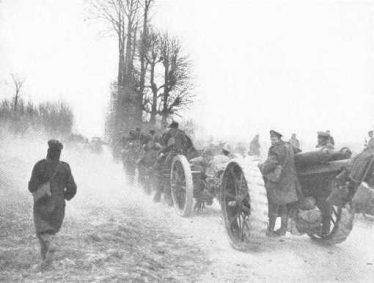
{"x":335,"y":215}
{"x":178,"y":185}
{"x":236,"y":204}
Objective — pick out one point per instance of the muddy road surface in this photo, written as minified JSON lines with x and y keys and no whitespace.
{"x":114,"y":233}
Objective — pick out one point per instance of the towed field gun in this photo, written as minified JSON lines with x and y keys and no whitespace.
{"x":326,"y":184}
{"x":325,"y":213}
{"x":192,"y":187}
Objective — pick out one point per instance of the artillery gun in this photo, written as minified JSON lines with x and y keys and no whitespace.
{"x":245,"y":205}
{"x":191,"y":188}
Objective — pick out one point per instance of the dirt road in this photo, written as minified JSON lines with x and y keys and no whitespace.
{"x":112,"y":232}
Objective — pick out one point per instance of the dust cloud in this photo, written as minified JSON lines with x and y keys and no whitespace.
{"x":113,"y":231}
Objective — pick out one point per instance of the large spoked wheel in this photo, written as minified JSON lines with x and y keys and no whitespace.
{"x":244,"y":204}
{"x":181,"y":185}
{"x":341,"y":224}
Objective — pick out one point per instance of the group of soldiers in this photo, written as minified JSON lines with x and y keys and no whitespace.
{"x":52,"y":182}
{"x":152,"y":152}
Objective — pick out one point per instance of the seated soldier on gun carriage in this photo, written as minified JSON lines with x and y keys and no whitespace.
{"x":324,"y":142}
{"x":209,"y":181}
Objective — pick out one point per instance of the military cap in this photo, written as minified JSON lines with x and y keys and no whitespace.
{"x":274,"y":133}
{"x":323,"y":134}
{"x":174,"y":125}
{"x":226,"y":147}
{"x":55,"y":145}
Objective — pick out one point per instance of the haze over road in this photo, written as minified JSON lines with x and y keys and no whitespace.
{"x":114,"y":231}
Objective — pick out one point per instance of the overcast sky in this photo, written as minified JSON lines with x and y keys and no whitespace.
{"x":300,"y":66}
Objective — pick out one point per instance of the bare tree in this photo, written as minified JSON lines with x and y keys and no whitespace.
{"x":123,"y":18}
{"x":177,"y":88}
{"x":153,"y":58}
{"x":131,"y":11}
{"x":143,"y":49}
{"x":18,"y":83}
{"x":112,"y":12}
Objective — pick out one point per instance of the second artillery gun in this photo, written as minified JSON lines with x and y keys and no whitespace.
{"x":321,"y":175}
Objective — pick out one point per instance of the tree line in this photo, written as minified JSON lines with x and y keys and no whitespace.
{"x":18,"y":116}
{"x":154,"y":79}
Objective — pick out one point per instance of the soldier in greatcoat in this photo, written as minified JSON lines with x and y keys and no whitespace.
{"x":51,"y":184}
{"x":281,"y":182}
{"x":324,"y":142}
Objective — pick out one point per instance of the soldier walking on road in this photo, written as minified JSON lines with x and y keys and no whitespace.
{"x":281,"y":182}
{"x":51,"y":184}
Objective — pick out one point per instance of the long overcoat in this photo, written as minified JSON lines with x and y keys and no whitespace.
{"x":286,"y":189}
{"x":49,"y":212}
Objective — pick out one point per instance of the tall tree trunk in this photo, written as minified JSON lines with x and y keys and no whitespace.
{"x":165,"y":110}
{"x":128,"y":55}
{"x":154,"y":94}
{"x":16,"y":101}
{"x":121,"y":51}
{"x":143,"y":68}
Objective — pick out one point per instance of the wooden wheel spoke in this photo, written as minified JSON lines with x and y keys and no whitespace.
{"x":238,"y":183}
{"x":232,"y":172}
{"x":244,"y":225}
{"x":234,"y":218}
{"x":332,"y":220}
{"x":242,"y":222}
{"x":234,"y":179}
{"x":246,"y":209}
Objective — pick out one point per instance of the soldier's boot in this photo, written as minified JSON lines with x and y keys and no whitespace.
{"x":271,"y":225}
{"x":283,"y":229}
{"x":49,"y":250}
{"x":326,"y":226}
{"x":43,"y":248}
{"x":284,"y":221}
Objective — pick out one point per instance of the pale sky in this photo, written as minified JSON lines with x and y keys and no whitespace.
{"x":300,"y":66}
